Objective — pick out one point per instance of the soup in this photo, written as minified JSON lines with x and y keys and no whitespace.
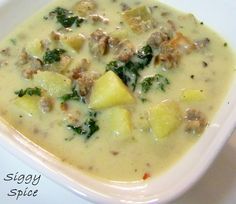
{"x":121,"y":93}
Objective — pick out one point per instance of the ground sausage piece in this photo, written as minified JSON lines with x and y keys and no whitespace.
{"x":96,"y":18}
{"x":5,"y":52}
{"x":46,"y":104}
{"x":124,"y":6}
{"x":195,"y":121}
{"x":125,"y":50}
{"x":86,"y":81}
{"x":85,"y":7}
{"x":157,"y":38}
{"x":83,"y":67}
{"x":28,"y":73}
{"x":24,"y":57}
{"x":55,"y":36}
{"x":169,"y":57}
{"x":35,"y":63}
{"x":98,"y":43}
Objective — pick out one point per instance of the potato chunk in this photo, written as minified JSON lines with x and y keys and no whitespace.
{"x":139,"y":19}
{"x":192,"y":95}
{"x":29,"y":104}
{"x":75,"y":41}
{"x":119,"y":34}
{"x":35,"y":48}
{"x":56,"y":84}
{"x":165,"y":118}
{"x":119,"y":124}
{"x":109,"y":91}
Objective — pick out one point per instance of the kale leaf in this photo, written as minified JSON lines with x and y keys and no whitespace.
{"x":52,"y":56}
{"x":66,"y":18}
{"x":129,"y":71}
{"x":29,"y":91}
{"x":160,"y":80}
{"x":88,"y":128}
{"x":75,"y":96}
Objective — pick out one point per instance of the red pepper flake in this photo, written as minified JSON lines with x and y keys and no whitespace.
{"x":146,"y":176}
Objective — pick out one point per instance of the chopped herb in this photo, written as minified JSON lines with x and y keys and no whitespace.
{"x":204,"y":64}
{"x":88,"y":128}
{"x":161,"y":83}
{"x":29,"y":91}
{"x":66,"y":18}
{"x":52,"y":56}
{"x":143,"y":99}
{"x":225,"y":44}
{"x":75,"y":96}
{"x":13,"y":41}
{"x":202,"y":23}
{"x":129,"y":71}
{"x":147,"y":83}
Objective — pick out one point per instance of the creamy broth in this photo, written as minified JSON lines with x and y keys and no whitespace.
{"x":188,"y":72}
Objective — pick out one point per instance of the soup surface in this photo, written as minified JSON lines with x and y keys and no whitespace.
{"x":119,"y":89}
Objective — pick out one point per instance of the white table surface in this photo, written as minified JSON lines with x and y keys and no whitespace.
{"x":218,"y":185}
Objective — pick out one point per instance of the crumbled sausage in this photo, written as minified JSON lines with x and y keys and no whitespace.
{"x":125,"y":50}
{"x":46,"y":104}
{"x":86,"y":81}
{"x":28,"y":73}
{"x":45,"y":44}
{"x":96,"y":18}
{"x":36,"y":63}
{"x":64,"y":107}
{"x":195,"y":121}
{"x":55,"y":36}
{"x":3,"y":63}
{"x":157,"y":38}
{"x":65,"y":62}
{"x":73,"y":119}
{"x":98,"y":43}
{"x":169,"y":57}
{"x":24,"y":57}
{"x":124,"y":6}
{"x":183,"y":44}
{"x":5,"y":52}
{"x":85,"y":7}
{"x":83,"y":67}
{"x":113,"y":42}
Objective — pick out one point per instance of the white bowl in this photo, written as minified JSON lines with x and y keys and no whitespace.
{"x":218,"y":14}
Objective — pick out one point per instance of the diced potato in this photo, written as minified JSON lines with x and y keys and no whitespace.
{"x":118,"y":122}
{"x":192,"y":95}
{"x":35,"y":48}
{"x":29,"y":104}
{"x":119,"y":34}
{"x":75,"y":41}
{"x":85,"y":7}
{"x":165,"y":118}
{"x":56,"y":84}
{"x":139,"y":19}
{"x":109,"y":91}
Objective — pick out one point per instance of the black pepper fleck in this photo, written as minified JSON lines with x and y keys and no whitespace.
{"x":192,"y":76}
{"x":204,"y":64}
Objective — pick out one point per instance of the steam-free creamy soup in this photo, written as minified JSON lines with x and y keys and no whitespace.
{"x":119,"y":89}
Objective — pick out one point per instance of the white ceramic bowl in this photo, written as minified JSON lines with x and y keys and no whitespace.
{"x":218,"y":14}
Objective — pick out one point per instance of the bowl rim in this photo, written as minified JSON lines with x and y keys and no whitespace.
{"x":51,"y":167}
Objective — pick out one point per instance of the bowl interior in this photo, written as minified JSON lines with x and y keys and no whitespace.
{"x":175,"y":181}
